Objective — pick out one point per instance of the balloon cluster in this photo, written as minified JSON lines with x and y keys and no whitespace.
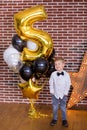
{"x":31,"y":52}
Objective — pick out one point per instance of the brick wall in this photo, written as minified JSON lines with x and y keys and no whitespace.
{"x":67,"y":25}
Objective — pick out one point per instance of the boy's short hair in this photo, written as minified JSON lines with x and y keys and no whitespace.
{"x":59,"y":59}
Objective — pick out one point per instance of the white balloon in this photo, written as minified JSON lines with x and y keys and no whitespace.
{"x":14,"y":62}
{"x":13,"y":59}
{"x":32,"y":46}
{"x":9,"y":51}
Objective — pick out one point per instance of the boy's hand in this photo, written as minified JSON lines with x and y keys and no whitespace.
{"x":65,"y":95}
{"x":52,"y":93}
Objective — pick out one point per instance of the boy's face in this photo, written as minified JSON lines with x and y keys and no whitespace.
{"x":59,"y":65}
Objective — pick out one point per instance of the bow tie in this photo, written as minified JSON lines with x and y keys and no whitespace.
{"x":58,"y":74}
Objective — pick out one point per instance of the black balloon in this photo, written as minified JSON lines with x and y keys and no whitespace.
{"x":26,"y":72}
{"x":18,"y":43}
{"x":40,"y":65}
{"x":51,"y":68}
{"x":52,"y":55}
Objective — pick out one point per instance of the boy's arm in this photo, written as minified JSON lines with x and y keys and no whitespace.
{"x":68,"y":84}
{"x":51,"y":85}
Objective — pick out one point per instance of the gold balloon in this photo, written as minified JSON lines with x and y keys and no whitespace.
{"x":30,"y":89}
{"x":24,"y":26}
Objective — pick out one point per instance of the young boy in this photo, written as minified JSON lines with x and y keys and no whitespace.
{"x":59,"y":84}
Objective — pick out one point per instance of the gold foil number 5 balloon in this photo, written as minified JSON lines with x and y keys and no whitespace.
{"x":24,"y":21}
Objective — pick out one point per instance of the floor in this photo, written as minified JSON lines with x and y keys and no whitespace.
{"x":16,"y":117}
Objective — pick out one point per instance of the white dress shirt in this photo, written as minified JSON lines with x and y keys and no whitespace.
{"x":59,"y":85}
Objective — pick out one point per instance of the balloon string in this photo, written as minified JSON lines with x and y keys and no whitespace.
{"x":35,"y":114}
